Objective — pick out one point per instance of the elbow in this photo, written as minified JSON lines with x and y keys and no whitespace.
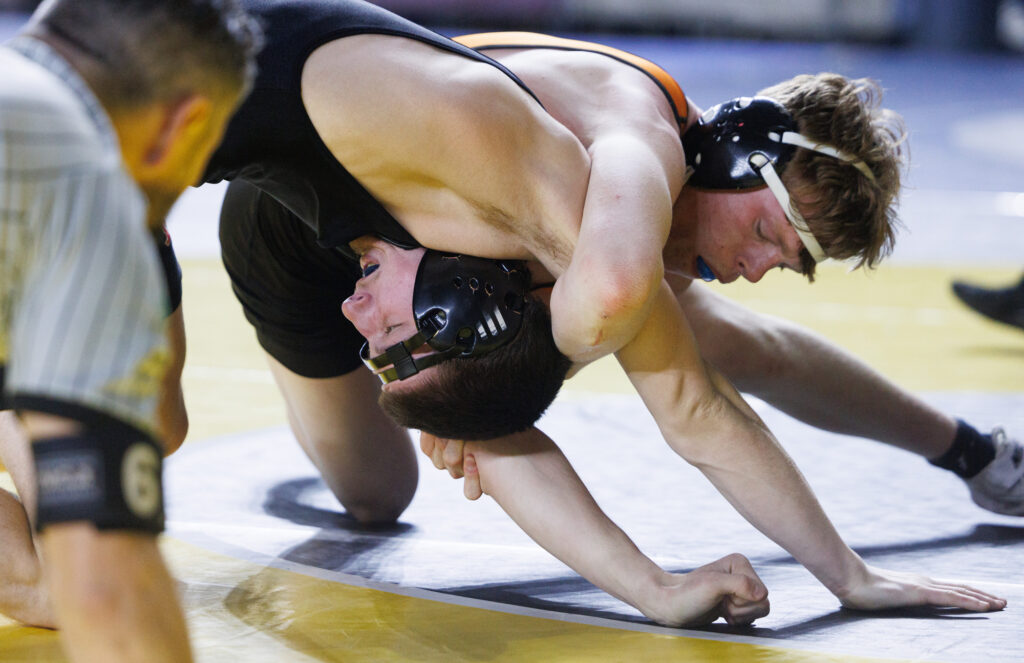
{"x":617,"y":307}
{"x":629,"y":289}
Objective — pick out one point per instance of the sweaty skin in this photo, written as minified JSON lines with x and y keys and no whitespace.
{"x":574,"y":197}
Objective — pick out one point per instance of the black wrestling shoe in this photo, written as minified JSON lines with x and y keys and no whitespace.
{"x":1004,"y":305}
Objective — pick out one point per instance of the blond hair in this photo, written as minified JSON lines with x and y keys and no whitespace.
{"x":850,"y":216}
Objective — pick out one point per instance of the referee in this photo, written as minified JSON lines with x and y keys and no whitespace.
{"x":108,"y":110}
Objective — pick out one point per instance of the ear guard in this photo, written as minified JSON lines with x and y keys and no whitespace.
{"x":464,"y":306}
{"x":746,"y":143}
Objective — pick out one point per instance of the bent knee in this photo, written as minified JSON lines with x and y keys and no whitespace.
{"x":378,"y":508}
{"x":375,"y":513}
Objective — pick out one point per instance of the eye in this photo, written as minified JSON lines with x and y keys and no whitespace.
{"x":760,"y":230}
{"x":369,"y":269}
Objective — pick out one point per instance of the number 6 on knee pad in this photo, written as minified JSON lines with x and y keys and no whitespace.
{"x":111,"y":478}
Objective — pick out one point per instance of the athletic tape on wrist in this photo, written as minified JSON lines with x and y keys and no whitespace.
{"x":110,"y":478}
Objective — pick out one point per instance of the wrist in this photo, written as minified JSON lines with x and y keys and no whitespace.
{"x":846,"y":576}
{"x":658,"y":597}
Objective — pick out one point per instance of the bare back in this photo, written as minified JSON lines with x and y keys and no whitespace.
{"x":460,"y":154}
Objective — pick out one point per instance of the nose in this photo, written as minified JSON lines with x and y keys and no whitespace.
{"x":754,"y":266}
{"x":352,"y":306}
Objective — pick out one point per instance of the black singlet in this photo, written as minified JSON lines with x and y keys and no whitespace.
{"x":271,"y":141}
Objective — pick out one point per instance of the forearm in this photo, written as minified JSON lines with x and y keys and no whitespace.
{"x":706,"y":421}
{"x":171,"y":412}
{"x":113,"y":596}
{"x":743,"y":460}
{"x":110,"y":592}
{"x":530,"y":478}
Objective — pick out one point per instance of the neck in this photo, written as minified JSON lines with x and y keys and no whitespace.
{"x":678,"y":251}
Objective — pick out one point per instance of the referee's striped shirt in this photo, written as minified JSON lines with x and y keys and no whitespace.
{"x":81,"y":297}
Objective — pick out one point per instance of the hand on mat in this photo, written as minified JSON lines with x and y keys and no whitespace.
{"x":728,"y":588}
{"x":450,"y":455}
{"x":881,"y":589}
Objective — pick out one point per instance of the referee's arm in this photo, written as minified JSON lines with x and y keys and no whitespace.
{"x":172,"y":416}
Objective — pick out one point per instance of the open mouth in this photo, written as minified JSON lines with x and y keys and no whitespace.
{"x":704,"y":271}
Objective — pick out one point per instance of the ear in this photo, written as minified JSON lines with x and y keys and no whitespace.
{"x":180,"y":119}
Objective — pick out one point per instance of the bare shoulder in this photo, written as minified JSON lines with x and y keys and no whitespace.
{"x":381,"y":81}
{"x":592,"y":93}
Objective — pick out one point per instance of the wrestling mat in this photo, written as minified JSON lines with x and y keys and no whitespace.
{"x":458,"y":581}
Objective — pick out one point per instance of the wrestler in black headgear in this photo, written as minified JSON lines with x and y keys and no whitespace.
{"x":463,"y":306}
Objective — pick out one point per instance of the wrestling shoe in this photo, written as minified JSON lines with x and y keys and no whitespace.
{"x":1004,"y":305}
{"x":1000,"y":486}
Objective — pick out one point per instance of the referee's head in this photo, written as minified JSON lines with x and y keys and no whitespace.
{"x":137,"y":51}
{"x":169,"y":74}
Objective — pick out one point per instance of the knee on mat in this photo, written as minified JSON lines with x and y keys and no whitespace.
{"x":378,"y":510}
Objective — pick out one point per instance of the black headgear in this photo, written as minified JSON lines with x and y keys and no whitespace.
{"x":463,"y":306}
{"x":719,"y":146}
{"x":748,"y":142}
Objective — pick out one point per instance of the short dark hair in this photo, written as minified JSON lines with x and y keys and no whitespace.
{"x":157,"y":50}
{"x":480,"y":398}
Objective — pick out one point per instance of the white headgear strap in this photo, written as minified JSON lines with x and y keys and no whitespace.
{"x":793,"y":138}
{"x":763,"y":165}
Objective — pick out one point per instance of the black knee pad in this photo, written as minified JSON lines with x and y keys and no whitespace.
{"x":111,"y":478}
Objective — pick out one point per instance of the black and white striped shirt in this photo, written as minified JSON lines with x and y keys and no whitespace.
{"x":81,"y":294}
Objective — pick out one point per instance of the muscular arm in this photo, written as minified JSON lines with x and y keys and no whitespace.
{"x":171,"y":411}
{"x":706,"y":422}
{"x":530,"y":478}
{"x":637,"y":170}
{"x":604,"y":296}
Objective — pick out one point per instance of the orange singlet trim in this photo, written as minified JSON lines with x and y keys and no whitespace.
{"x":668,"y":85}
